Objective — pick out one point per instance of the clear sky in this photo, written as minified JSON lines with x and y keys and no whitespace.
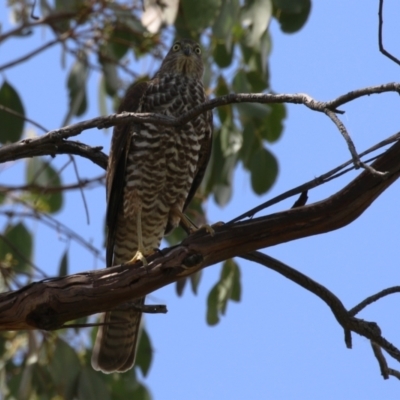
{"x":279,"y":342}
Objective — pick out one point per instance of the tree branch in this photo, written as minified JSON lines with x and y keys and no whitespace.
{"x":50,"y":303}
{"x":55,"y":140}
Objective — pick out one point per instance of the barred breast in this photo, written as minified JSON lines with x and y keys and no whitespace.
{"x":161,"y":164}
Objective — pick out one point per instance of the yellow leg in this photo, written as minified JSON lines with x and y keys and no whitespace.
{"x":139,"y":255}
{"x":190,"y":225}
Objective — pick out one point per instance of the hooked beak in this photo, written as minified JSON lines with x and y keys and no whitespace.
{"x":187,"y":51}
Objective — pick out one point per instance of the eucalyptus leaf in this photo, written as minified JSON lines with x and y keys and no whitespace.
{"x":65,"y":379}
{"x":12,"y":125}
{"x":91,"y":386}
{"x":222,"y":55}
{"x":292,"y":14}
{"x":76,"y":84}
{"x":63,"y":268}
{"x":199,"y":15}
{"x":16,"y":247}
{"x":222,"y":89}
{"x":144,"y":353}
{"x":227,"y":288}
{"x":228,"y":15}
{"x":195,"y":280}
{"x":41,"y":175}
{"x":264,"y":170}
{"x":255,"y":17}
{"x":273,"y":124}
{"x":251,"y":144}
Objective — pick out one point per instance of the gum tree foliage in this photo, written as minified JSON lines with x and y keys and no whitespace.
{"x":105,"y":38}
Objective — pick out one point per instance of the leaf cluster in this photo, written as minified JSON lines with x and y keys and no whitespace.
{"x":110,"y":39}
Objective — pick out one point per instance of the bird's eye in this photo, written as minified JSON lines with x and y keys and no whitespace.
{"x":176,"y":47}
{"x":197,"y":50}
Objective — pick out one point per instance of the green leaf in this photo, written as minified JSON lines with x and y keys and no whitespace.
{"x":253,"y":112}
{"x":256,"y":58}
{"x":258,"y":81}
{"x":91,"y":386}
{"x":240,"y":83}
{"x":144,"y":353}
{"x":223,"y":188}
{"x":264,"y":170}
{"x":273,"y":124}
{"x":3,"y":197}
{"x":199,"y":15}
{"x":195,"y":281}
{"x":231,"y":139}
{"x":176,"y":236}
{"x":227,"y":288}
{"x":12,"y":126}
{"x":42,"y":174}
{"x":180,"y":286}
{"x":251,"y":143}
{"x":228,"y":15}
{"x":222,"y":89}
{"x":291,"y":14}
{"x":76,"y":85}
{"x":140,"y":392}
{"x":126,"y":386}
{"x":64,"y":368}
{"x":111,"y":79}
{"x":102,"y":96}
{"x":212,"y":307}
{"x":16,"y":247}
{"x":255,"y":17}
{"x":223,"y":55}
{"x":63,"y":269}
{"x":121,"y":40}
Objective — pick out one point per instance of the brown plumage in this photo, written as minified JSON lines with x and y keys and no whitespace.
{"x":153,"y":173}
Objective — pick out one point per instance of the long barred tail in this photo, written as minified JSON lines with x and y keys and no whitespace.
{"x":116,"y":342}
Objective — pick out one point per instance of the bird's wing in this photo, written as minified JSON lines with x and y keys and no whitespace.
{"x":115,"y":180}
{"x":204,"y":157}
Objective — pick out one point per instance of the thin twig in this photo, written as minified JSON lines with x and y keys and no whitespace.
{"x":380,"y":36}
{"x":83,"y":183}
{"x":328,"y":176}
{"x":349,"y":323}
{"x":371,"y":299}
{"x":54,"y":224}
{"x":81,"y":190}
{"x":29,"y":55}
{"x":49,"y":19}
{"x":31,"y":121}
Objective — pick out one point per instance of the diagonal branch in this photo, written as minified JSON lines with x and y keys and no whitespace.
{"x":49,"y":304}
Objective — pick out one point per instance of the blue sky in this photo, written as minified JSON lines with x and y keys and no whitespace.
{"x":280,"y":342}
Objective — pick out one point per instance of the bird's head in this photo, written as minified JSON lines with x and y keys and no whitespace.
{"x":183,"y":58}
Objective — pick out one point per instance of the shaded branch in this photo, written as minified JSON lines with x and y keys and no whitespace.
{"x":50,"y":303}
{"x":372,"y":299}
{"x":50,"y":147}
{"x":56,"y":138}
{"x":30,"y":54}
{"x":345,"y":318}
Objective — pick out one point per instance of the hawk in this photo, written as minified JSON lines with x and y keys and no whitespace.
{"x":153,"y":173}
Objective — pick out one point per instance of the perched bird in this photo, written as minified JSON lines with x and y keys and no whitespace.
{"x":153,"y":173}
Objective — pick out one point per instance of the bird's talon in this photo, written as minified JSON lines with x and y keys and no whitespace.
{"x":138,"y":257}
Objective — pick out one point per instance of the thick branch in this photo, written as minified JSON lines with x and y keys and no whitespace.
{"x":51,"y":303}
